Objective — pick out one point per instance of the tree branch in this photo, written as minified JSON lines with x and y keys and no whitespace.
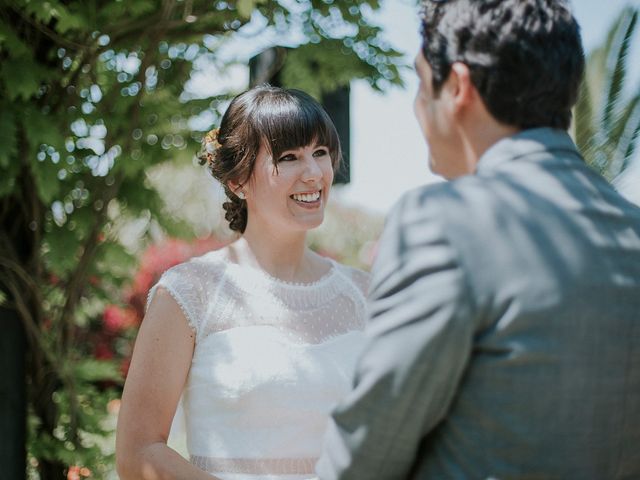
{"x":21,"y":304}
{"x":79,"y":276}
{"x":62,"y":41}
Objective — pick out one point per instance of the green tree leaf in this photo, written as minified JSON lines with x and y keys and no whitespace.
{"x":21,"y":77}
{"x":68,"y":21}
{"x":11,"y":42}
{"x":113,"y":259}
{"x":91,"y":370}
{"x":60,"y":250}
{"x":245,"y":8}
{"x":45,"y":174}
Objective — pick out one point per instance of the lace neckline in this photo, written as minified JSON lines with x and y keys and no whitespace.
{"x":247,"y":271}
{"x":303,"y":296}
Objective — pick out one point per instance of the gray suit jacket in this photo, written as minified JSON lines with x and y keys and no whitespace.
{"x":504,"y":334}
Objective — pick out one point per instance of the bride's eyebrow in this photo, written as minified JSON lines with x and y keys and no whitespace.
{"x":289,"y":151}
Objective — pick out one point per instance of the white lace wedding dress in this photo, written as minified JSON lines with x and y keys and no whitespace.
{"x":271,"y":360}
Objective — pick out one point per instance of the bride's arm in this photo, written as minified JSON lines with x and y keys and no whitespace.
{"x":159,"y":368}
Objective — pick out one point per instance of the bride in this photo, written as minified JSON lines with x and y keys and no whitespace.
{"x":259,"y":338}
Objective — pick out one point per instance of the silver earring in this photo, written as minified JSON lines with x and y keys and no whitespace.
{"x":241,"y":195}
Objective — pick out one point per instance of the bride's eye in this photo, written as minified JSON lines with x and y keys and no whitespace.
{"x":288,"y":157}
{"x":320,"y":152}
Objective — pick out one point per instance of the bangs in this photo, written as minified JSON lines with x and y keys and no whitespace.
{"x":291,"y":119}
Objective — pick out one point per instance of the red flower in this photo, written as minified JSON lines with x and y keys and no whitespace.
{"x":160,"y":257}
{"x":116,"y":319}
{"x":103,"y":351}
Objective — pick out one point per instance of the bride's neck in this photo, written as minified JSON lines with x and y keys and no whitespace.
{"x":283,"y":257}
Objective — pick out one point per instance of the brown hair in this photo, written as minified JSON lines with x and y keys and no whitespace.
{"x":281,"y":119}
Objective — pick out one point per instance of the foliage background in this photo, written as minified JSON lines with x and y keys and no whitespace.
{"x":92,"y":102}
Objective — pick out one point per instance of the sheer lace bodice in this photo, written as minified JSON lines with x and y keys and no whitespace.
{"x":271,"y":359}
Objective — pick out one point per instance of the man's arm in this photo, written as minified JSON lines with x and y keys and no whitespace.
{"x":419,"y":341}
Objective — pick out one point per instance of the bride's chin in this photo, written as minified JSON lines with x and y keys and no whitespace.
{"x":310,"y":223}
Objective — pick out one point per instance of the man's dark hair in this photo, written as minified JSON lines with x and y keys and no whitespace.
{"x":525,"y":56}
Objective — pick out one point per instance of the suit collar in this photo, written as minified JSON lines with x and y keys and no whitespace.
{"x":525,"y":143}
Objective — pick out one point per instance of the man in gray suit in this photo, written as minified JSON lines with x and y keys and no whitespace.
{"x":504,"y":334}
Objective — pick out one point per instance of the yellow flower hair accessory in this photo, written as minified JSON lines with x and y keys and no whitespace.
{"x":210,"y":144}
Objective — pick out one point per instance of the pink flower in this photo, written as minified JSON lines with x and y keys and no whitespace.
{"x":73,"y":473}
{"x":116,"y":319}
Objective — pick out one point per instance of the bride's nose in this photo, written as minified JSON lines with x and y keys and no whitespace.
{"x":312,"y":170}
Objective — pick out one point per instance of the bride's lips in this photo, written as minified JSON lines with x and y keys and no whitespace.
{"x":309,"y":200}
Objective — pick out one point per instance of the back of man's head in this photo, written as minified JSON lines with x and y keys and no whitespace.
{"x":525,"y":56}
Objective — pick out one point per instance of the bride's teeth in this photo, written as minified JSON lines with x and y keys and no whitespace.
{"x":306,"y":197}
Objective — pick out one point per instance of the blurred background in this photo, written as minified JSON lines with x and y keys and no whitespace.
{"x":389,"y":155}
{"x":102,"y":107}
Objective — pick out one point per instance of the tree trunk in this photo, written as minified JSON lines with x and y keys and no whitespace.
{"x":44,"y":382}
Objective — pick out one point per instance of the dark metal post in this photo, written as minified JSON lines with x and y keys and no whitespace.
{"x":13,"y":397}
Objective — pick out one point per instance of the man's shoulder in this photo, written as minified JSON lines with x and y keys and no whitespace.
{"x":448,"y":201}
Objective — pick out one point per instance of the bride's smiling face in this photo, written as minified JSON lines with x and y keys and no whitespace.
{"x":292,"y":192}
{"x":287,"y":193}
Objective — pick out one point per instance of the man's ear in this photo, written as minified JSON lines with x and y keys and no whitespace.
{"x":461,"y":87}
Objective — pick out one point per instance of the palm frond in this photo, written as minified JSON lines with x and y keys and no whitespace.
{"x":583,"y":128}
{"x":595,"y":75}
{"x":627,"y":141}
{"x":606,"y":119}
{"x":616,"y":63}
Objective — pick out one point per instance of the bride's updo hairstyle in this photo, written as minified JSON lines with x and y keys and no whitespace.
{"x":281,"y":120}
